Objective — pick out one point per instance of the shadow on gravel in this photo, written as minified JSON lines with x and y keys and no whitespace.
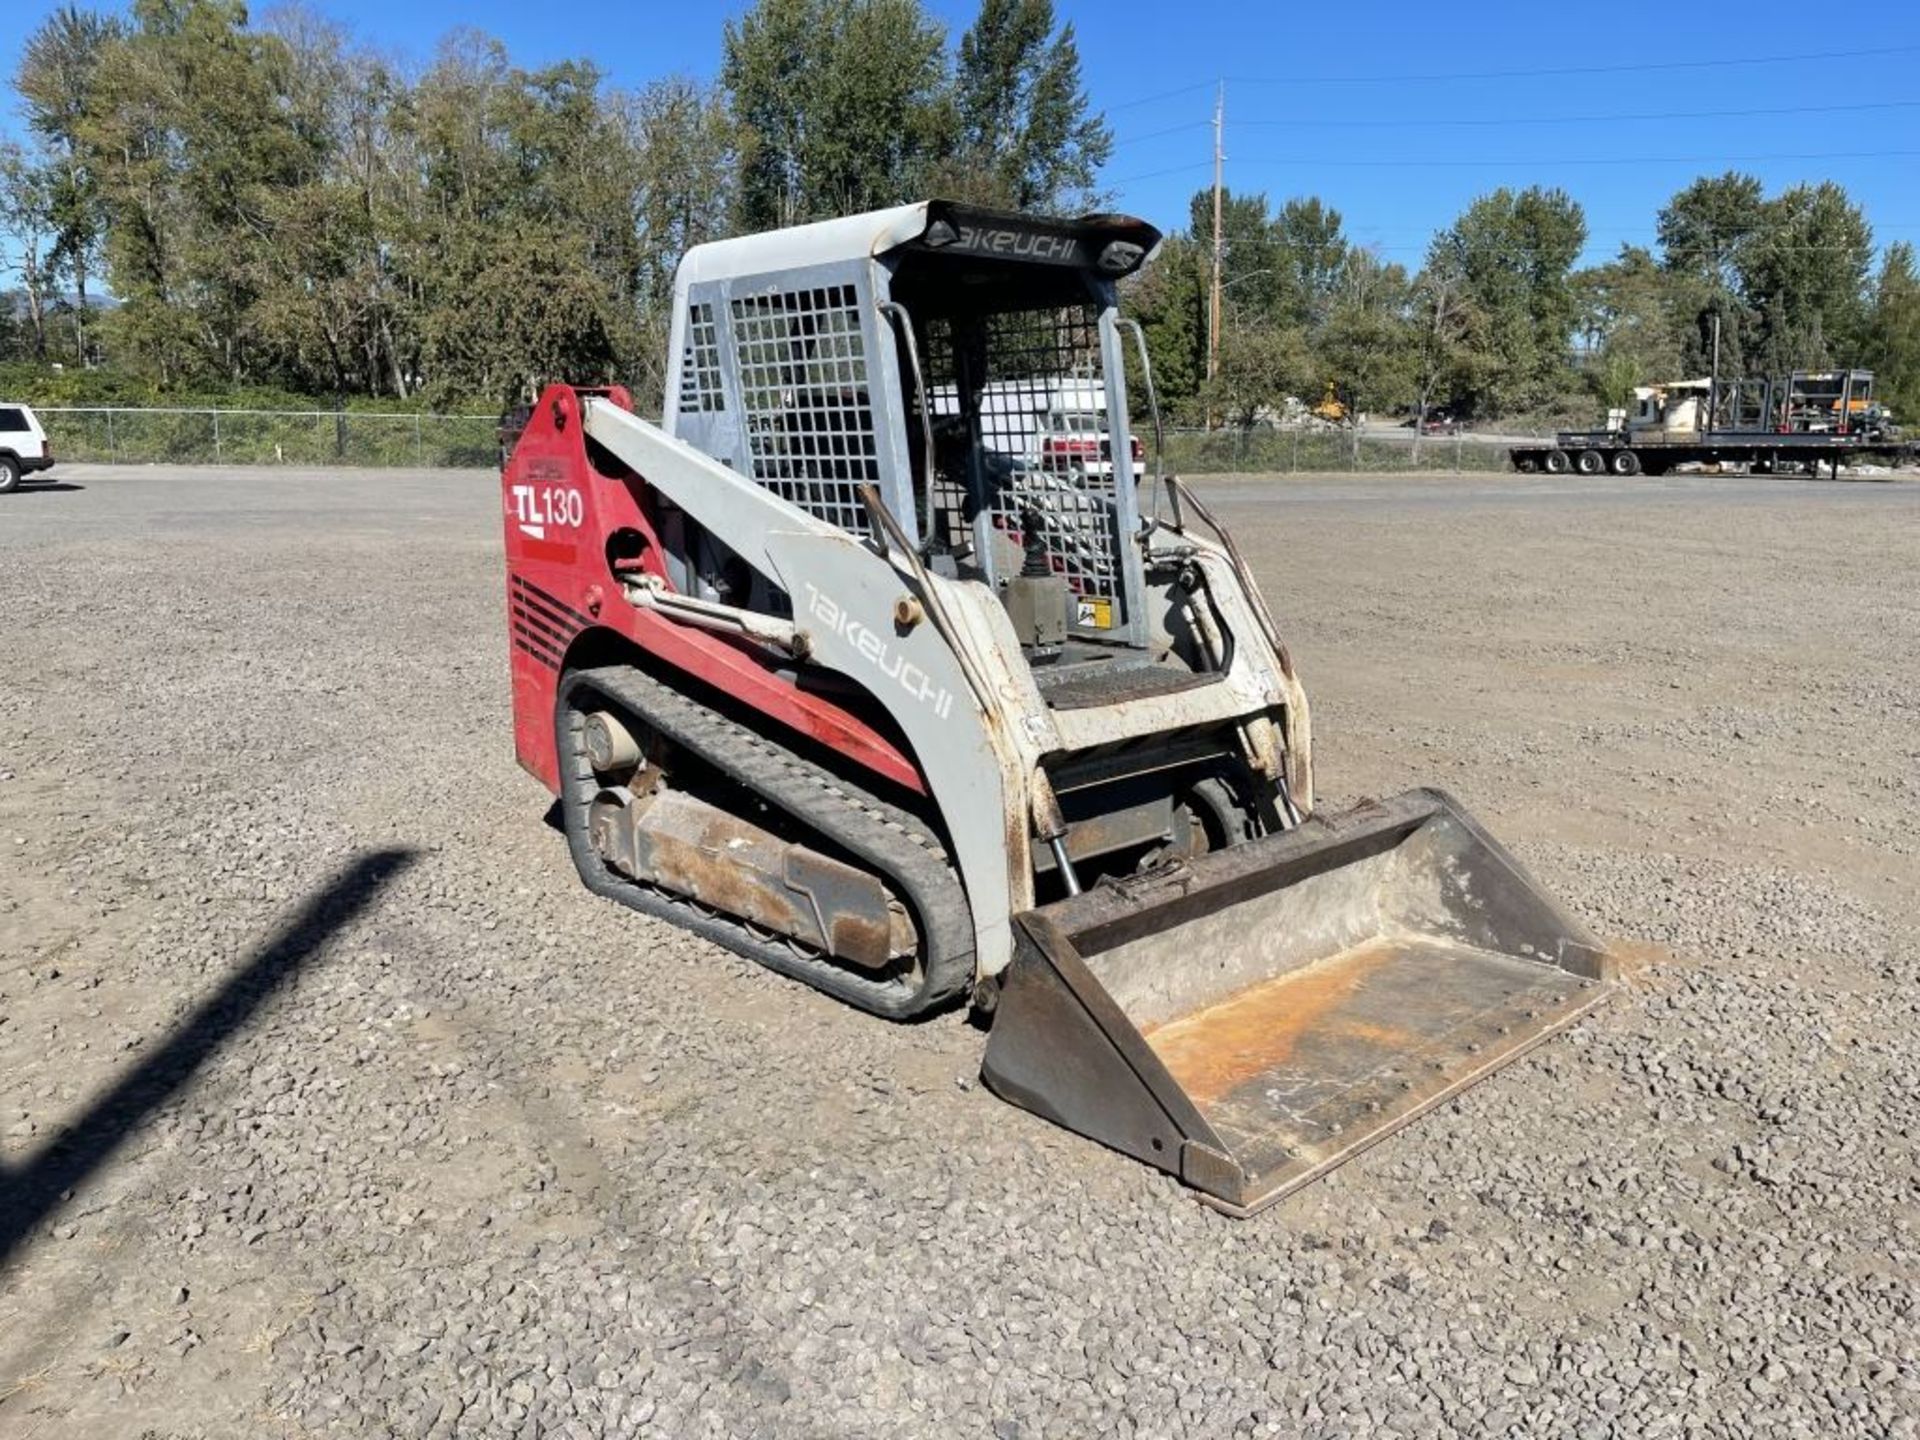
{"x":28,"y":1192}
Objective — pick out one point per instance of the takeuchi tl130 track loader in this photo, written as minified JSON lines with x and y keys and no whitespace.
{"x":867,"y":664}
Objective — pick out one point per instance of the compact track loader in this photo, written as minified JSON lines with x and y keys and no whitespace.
{"x":866,"y":664}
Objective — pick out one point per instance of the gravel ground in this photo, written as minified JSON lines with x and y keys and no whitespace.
{"x":380,"y":1124}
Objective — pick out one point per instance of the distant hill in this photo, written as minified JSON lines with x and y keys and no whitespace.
{"x":15,"y":301}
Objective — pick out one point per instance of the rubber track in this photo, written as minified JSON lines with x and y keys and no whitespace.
{"x":889,"y":840}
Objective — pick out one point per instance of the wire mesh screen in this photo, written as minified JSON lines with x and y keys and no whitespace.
{"x":803,"y":388}
{"x":700,"y":365}
{"x":1043,"y":474}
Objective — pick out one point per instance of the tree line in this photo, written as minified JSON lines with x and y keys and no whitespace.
{"x":272,"y":204}
{"x":1501,"y":321}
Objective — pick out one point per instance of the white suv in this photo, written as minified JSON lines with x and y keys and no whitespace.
{"x":23,"y":446}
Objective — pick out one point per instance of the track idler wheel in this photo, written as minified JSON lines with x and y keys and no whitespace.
{"x":610,"y":745}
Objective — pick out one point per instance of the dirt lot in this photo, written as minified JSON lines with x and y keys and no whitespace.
{"x":377,"y":1123}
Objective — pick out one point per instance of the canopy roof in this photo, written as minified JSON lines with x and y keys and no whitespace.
{"x":1114,"y":245}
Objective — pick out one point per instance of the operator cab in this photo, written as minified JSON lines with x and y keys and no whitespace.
{"x":1022,"y":397}
{"x":969,"y":366}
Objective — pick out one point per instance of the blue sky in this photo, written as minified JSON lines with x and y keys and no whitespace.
{"x":1397,"y":115}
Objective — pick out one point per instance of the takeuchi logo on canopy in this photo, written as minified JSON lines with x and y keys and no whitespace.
{"x":1024,"y":244}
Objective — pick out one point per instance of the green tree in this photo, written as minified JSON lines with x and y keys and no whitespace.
{"x":1628,"y":313}
{"x":1281,"y":278}
{"x":190,"y":140}
{"x":321,"y":294}
{"x":1706,"y":232}
{"x":529,"y":264}
{"x":27,"y":203}
{"x":1368,"y":347}
{"x":1892,"y":341}
{"x":1448,"y":358}
{"x":685,"y":143}
{"x":1249,"y":256}
{"x":1261,"y":363}
{"x":1309,"y":252}
{"x":1169,"y":299}
{"x":684,"y":146}
{"x":1805,"y":278}
{"x":1785,"y":277}
{"x":282,"y":208}
{"x":56,"y":80}
{"x":843,"y":105}
{"x":11,"y":346}
{"x":1029,"y":137}
{"x":1512,"y":254}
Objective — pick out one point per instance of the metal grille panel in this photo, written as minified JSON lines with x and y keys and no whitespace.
{"x":804,"y":392}
{"x":700,"y":387}
{"x":1045,"y":448}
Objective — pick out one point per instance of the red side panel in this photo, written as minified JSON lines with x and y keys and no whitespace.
{"x":559,"y":513}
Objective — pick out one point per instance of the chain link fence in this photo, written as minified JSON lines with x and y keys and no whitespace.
{"x":269,"y":437}
{"x":119,"y":435}
{"x":1289,"y":449}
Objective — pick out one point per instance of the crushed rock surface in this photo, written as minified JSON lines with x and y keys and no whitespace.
{"x":391,"y":1128}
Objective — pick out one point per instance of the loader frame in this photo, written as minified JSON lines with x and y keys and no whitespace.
{"x":857,"y":659}
{"x":948,"y":685}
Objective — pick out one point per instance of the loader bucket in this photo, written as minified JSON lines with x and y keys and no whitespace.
{"x":1252,"y":1019}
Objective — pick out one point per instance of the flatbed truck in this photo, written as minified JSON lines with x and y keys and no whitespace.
{"x":1810,"y":419}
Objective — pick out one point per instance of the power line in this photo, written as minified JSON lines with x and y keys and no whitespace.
{"x":1156,"y":174}
{"x":1428,"y":163}
{"x":1162,"y":95}
{"x":1406,"y":77}
{"x":1509,"y":121}
{"x":1628,"y":232}
{"x":1157,"y":134}
{"x":1424,"y":162}
{"x":1407,"y":247}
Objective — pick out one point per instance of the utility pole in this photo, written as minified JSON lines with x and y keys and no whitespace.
{"x":1213,"y":295}
{"x":1713,"y":384}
